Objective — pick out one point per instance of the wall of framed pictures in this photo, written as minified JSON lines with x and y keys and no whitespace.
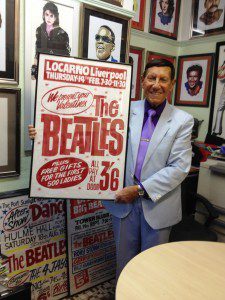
{"x":147,"y":38}
{"x":187,"y":44}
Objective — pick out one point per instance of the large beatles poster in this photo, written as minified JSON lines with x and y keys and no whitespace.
{"x":33,"y":239}
{"x":91,"y":246}
{"x":81,"y":121}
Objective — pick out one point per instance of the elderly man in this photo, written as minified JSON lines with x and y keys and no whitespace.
{"x":212,"y":13}
{"x":105,"y":43}
{"x":158,"y":160}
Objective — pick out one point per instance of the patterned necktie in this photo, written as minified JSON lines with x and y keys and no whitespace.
{"x":146,"y":135}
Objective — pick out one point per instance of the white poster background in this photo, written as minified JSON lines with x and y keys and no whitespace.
{"x":105,"y":171}
{"x":202,"y":10}
{"x":134,"y":74}
{"x":69,"y":21}
{"x":33,"y":238}
{"x":3,"y":131}
{"x":159,"y":25}
{"x":3,"y":36}
{"x":219,"y":88}
{"x":184,"y":96}
{"x":94,"y":25}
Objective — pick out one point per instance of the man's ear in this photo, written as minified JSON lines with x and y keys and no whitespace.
{"x":172,"y":84}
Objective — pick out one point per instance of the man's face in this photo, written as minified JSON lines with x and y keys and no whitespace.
{"x":104,"y":45}
{"x":49,"y":17}
{"x":193,"y":78}
{"x":157,"y":84}
{"x":211,"y":5}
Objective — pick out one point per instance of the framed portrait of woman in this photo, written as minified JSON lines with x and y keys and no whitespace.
{"x":138,"y":21}
{"x":154,"y":55}
{"x":105,"y":35}
{"x":50,"y":27}
{"x":217,"y":117}
{"x":208,"y":17}
{"x":9,"y":45}
{"x":194,"y":80}
{"x":136,"y":59}
{"x":164,"y":18}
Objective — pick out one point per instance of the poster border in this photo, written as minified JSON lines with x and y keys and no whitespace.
{"x":17,"y":94}
{"x":160,"y":32}
{"x":35,"y":105}
{"x":87,"y":11}
{"x":141,"y":53}
{"x":140,"y":24}
{"x":212,"y":104}
{"x":11,"y":76}
{"x":204,"y":103}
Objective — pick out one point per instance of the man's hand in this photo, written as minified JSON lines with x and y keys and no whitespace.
{"x":32,"y":131}
{"x":127,"y":194}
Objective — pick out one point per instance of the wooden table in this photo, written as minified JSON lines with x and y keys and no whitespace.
{"x":182,"y":270}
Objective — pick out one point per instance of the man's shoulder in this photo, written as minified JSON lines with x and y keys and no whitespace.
{"x":181,"y":114}
{"x":136,"y":104}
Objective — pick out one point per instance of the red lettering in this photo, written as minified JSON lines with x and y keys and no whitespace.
{"x":48,"y":133}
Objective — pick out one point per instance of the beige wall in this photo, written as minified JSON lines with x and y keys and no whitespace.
{"x":139,"y":39}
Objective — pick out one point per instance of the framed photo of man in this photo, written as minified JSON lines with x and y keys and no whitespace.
{"x":52,"y":27}
{"x":10,"y":132}
{"x":136,"y":58}
{"x":194,"y":80}
{"x":138,"y":21}
{"x":105,"y":35}
{"x":9,"y":45}
{"x":217,"y":118}
{"x":154,"y":55}
{"x":208,"y":17}
{"x":164,"y":18}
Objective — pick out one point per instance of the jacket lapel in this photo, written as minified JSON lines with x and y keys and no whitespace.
{"x":161,"y":129}
{"x":136,"y":122}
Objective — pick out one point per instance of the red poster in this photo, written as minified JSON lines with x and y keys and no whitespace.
{"x":81,"y":120}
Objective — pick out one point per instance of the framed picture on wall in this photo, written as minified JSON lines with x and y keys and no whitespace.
{"x":105,"y":35}
{"x":164,"y":18}
{"x":136,"y":58}
{"x":9,"y":45}
{"x":217,"y":118}
{"x":10,"y":132}
{"x":138,"y":20}
{"x":62,"y":39}
{"x":194,"y":80}
{"x":154,"y":55}
{"x":208,"y":17}
{"x":115,"y":2}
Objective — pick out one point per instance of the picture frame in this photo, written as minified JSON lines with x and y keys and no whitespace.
{"x":10,"y":132}
{"x":205,"y":22}
{"x":155,"y":55}
{"x":165,"y":18}
{"x":193,"y":84}
{"x":9,"y":46}
{"x":216,"y":118}
{"x":69,"y":18}
{"x":96,"y":23}
{"x":114,"y":2}
{"x":138,"y":21}
{"x":136,"y":58}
